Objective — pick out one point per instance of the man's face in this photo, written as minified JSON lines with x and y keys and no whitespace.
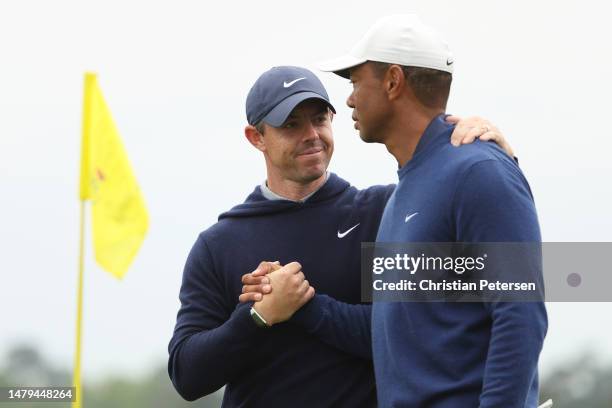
{"x":301,"y":148}
{"x":369,"y":103}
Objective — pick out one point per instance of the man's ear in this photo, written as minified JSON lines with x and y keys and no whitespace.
{"x":255,"y":138}
{"x":394,"y":81}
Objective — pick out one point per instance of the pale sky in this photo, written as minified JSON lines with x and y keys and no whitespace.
{"x":176,"y":74}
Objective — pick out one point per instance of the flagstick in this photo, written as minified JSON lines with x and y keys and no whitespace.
{"x":77,"y":355}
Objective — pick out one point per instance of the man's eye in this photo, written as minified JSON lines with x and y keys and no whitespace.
{"x":289,"y":125}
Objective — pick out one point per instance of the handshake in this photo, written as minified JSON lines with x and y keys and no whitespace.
{"x":278,"y":291}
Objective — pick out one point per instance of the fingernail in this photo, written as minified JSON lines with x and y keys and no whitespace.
{"x":258,"y":296}
{"x":266,"y":288}
{"x":265,"y":280}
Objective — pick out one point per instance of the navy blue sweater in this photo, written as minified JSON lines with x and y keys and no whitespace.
{"x":448,"y":355}
{"x":215,"y":341}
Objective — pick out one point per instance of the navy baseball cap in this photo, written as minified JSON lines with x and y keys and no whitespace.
{"x":278,"y":91}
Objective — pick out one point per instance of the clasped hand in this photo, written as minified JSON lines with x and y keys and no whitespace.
{"x":278,"y":291}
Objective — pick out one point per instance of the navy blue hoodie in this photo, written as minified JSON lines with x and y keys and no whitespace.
{"x":216,"y":342}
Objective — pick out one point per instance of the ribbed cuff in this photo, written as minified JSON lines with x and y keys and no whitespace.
{"x":241,"y":320}
{"x":312,"y":313}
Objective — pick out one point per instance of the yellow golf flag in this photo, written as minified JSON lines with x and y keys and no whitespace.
{"x":120,"y":219}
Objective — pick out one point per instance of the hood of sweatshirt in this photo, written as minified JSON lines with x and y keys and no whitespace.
{"x":256,"y":204}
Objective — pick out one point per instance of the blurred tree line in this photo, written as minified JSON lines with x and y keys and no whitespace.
{"x":25,"y":366}
{"x":580,"y":383}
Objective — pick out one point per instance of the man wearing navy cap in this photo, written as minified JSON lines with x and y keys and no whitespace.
{"x":300,"y":213}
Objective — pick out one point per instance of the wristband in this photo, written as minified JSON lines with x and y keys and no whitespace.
{"x":258,"y":319}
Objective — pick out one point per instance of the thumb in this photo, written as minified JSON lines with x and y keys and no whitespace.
{"x":264,"y":268}
{"x":452,"y":119}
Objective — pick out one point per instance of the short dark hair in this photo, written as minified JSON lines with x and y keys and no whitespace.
{"x":259,"y":126}
{"x":430,"y":86}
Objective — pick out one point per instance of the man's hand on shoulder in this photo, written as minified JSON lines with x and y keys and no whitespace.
{"x":469,"y":129}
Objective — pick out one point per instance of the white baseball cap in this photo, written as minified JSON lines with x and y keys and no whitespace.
{"x":399,"y":39}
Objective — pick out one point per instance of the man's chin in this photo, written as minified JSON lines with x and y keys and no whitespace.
{"x":313,"y":173}
{"x":367,"y":138}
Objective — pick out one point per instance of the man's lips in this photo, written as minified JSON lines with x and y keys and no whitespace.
{"x":312,"y":150}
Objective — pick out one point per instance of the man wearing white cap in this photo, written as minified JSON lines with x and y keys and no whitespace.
{"x":441,"y":354}
{"x":300,"y":213}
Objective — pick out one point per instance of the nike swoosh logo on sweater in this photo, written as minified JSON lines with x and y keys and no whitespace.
{"x":345,"y":233}
{"x":408,"y":217}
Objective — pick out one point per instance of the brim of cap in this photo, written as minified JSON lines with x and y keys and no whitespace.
{"x":277,"y":116}
{"x":340,"y":66}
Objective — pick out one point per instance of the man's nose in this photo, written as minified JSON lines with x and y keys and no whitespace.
{"x":349,"y":101}
{"x":311,"y":131}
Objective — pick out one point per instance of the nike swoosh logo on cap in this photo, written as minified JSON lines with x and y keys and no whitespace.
{"x":289,"y":84}
{"x":449,"y":61}
{"x":345,"y":233}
